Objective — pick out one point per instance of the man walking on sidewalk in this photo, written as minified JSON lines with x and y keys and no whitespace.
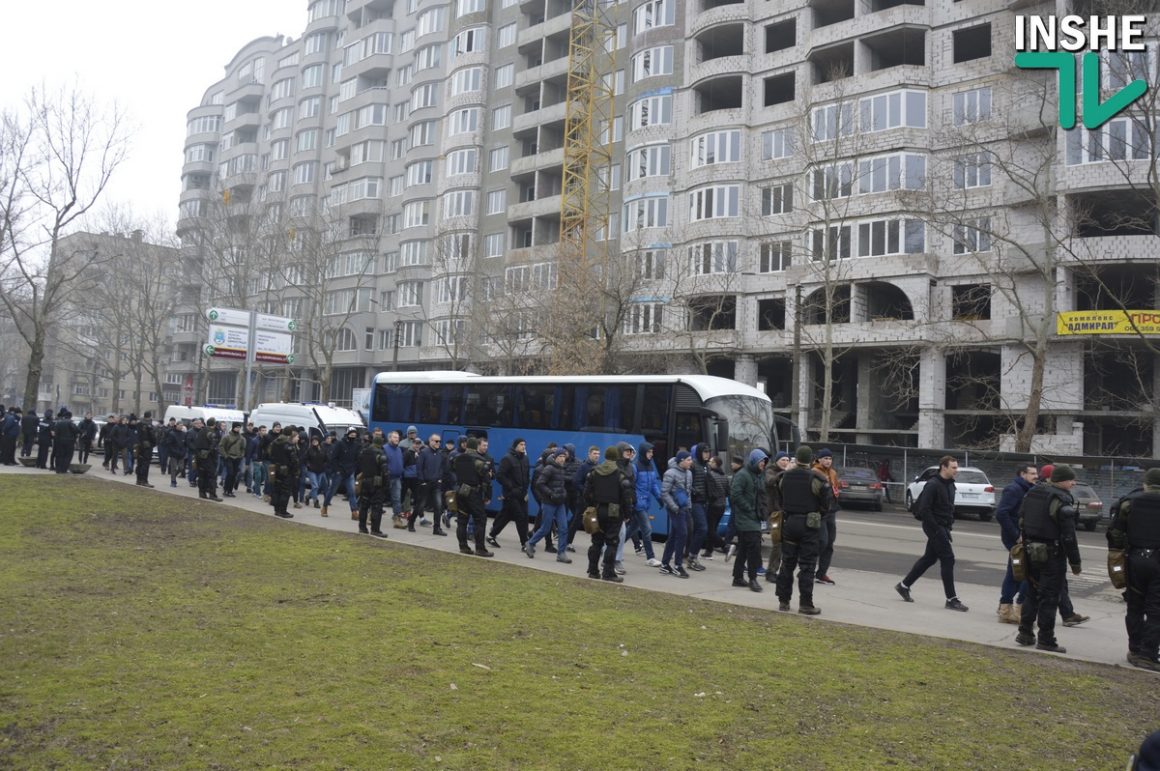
{"x":935,"y":507}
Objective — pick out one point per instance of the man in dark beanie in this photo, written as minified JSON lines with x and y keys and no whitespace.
{"x":1135,"y":528}
{"x":1047,"y":519}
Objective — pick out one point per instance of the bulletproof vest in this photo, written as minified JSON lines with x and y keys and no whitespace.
{"x":1038,"y":524}
{"x":797,"y":492}
{"x":606,"y":487}
{"x":280,"y":453}
{"x":465,"y":470}
{"x":370,"y":462}
{"x":1144,"y":521}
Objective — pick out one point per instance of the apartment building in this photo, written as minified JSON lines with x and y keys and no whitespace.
{"x":866,"y":194}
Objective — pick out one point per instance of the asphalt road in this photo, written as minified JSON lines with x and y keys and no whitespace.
{"x":890,"y":541}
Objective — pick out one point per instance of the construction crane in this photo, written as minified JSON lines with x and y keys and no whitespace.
{"x":587,"y":175}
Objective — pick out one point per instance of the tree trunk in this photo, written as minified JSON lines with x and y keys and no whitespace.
{"x":827,"y":367}
{"x":1034,"y":396}
{"x":35,"y":368}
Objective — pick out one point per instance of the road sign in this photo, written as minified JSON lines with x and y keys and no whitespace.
{"x":230,"y":316}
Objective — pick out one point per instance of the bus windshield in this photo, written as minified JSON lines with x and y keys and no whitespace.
{"x":750,"y":422}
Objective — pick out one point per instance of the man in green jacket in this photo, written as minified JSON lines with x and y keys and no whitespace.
{"x":745,"y":498}
{"x":233,"y":449}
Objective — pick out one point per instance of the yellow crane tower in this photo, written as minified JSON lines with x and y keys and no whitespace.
{"x":587,"y":174}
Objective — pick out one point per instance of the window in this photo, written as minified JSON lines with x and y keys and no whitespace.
{"x":900,"y":171}
{"x":407,"y":41}
{"x":713,"y":257}
{"x":971,"y":302}
{"x":450,"y":289}
{"x":387,"y":300}
{"x":470,"y":41}
{"x":397,"y":185}
{"x":427,"y":57}
{"x":348,"y":89}
{"x":715,"y":201}
{"x":1117,"y":140}
{"x":276,"y":182}
{"x":829,"y":243}
{"x":423,"y":133}
{"x":371,"y":115}
{"x":650,"y":264}
{"x":408,"y":334}
{"x":412,"y":253}
{"x":972,"y":106}
{"x":279,"y":149}
{"x":466,"y":80}
{"x":405,"y":74}
{"x":778,"y":143}
{"x":343,"y":301}
{"x":835,"y":180}
{"x":344,"y":340}
{"x":448,"y":332}
{"x":652,"y":111}
{"x":281,"y":118}
{"x":972,"y":43}
{"x":777,"y":199}
{"x":208,"y":124}
{"x":503,"y":76}
{"x":652,"y":62}
{"x":410,"y":293}
{"x":972,"y":236}
{"x":463,"y":161}
{"x":432,"y":20}
{"x":206,"y":153}
{"x":312,"y":76}
{"x":544,"y":275}
{"x":366,"y":152}
{"x":304,"y":173}
{"x":972,"y":170}
{"x":653,"y":13}
{"x":315,"y":43}
{"x":649,"y":161}
{"x":416,"y":214}
{"x":459,"y":203}
{"x":506,"y":35}
{"x":496,"y":201}
{"x":893,"y":110}
{"x":282,"y":89}
{"x":463,"y":121}
{"x":780,"y":36}
{"x":880,"y":237}
{"x":498,"y":159}
{"x":825,"y":124}
{"x":307,"y":140}
{"x":424,"y":96}
{"x":643,"y":318}
{"x":1122,"y":67}
{"x":402,"y":111}
{"x":517,"y":278}
{"x":398,"y":149}
{"x":419,"y":173}
{"x":774,"y":256}
{"x":493,"y":245}
{"x":716,"y":147}
{"x":470,"y":6}
{"x":501,"y":117}
{"x":652,"y":212}
{"x":310,"y":107}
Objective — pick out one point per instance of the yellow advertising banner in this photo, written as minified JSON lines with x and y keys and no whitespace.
{"x":1108,"y":323}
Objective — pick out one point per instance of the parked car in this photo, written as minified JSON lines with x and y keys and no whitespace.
{"x":860,"y":486}
{"x":974,"y":493}
{"x":1088,"y":504}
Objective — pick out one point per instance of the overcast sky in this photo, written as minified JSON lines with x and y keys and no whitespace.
{"x":155,"y":58}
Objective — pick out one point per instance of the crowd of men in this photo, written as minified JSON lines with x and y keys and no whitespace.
{"x":794,"y":499}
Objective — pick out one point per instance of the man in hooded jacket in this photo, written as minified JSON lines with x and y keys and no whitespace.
{"x":745,"y":495}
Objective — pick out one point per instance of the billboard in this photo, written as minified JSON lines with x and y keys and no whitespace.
{"x":229,"y":335}
{"x":1108,"y":323}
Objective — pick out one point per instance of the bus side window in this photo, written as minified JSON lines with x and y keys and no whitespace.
{"x":535,"y":408}
{"x":452,"y":404}
{"x":654,"y":416}
{"x":427,"y":398}
{"x":688,"y":430}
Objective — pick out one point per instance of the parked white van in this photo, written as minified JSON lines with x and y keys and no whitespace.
{"x":188,"y":414}
{"x":318,"y":419}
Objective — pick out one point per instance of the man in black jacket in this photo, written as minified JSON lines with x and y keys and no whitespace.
{"x":44,"y":439}
{"x":345,"y":463}
{"x":608,"y":489}
{"x":936,"y":508}
{"x":176,"y":451}
{"x":513,"y":480}
{"x":64,"y":442}
{"x":28,"y":426}
{"x":146,"y":440}
{"x":430,"y":470}
{"x":205,"y":455}
{"x":87,"y":434}
{"x":1047,"y":521}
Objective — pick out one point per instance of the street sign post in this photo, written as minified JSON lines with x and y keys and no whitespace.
{"x":242,"y":334}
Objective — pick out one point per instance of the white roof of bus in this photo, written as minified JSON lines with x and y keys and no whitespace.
{"x":706,"y":386}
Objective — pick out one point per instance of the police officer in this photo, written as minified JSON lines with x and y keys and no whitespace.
{"x":1135,"y":527}
{"x":1047,"y":521}
{"x":146,"y":439}
{"x":372,"y":486}
{"x":205,"y":455}
{"x":613,"y":494}
{"x":64,"y":442}
{"x":283,"y":459}
{"x":805,"y":498}
{"x":471,"y":475}
{"x":44,"y":439}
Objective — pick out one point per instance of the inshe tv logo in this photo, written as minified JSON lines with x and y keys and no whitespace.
{"x":1051,"y":43}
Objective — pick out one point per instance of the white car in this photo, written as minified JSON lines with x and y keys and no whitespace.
{"x":974,"y":493}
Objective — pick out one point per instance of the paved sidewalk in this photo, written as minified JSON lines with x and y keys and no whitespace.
{"x":861,"y":598}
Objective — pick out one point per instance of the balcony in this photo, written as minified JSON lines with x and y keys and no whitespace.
{"x":552,"y":26}
{"x":548,"y":205}
{"x":544,"y":160}
{"x":545,"y":116}
{"x":553,"y":69}
{"x":735,"y":12}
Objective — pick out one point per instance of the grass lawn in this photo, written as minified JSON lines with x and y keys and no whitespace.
{"x":139,"y":630}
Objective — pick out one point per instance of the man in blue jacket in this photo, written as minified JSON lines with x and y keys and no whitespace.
{"x":1007,"y":515}
{"x":345,"y":461}
{"x":430,"y":469}
{"x":394,"y":454}
{"x":648,"y":489}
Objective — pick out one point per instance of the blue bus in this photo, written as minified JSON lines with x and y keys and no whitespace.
{"x":669,"y":411}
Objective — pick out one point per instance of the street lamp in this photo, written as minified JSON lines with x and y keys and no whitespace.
{"x":395,"y":342}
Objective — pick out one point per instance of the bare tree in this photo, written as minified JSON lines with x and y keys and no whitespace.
{"x":57,"y":156}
